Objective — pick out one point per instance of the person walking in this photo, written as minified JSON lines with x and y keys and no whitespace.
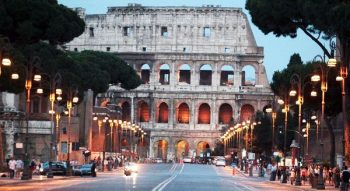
{"x":19,"y":167}
{"x":292,"y":176}
{"x":345,"y":175}
{"x":12,"y":167}
{"x":93,"y":169}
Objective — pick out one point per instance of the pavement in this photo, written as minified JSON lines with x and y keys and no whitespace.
{"x":305,"y":186}
{"x":43,"y":178}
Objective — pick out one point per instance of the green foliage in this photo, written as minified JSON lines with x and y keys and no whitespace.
{"x":31,"y":21}
{"x":321,"y":19}
{"x":105,"y":67}
{"x":263,"y":133}
{"x":295,"y":59}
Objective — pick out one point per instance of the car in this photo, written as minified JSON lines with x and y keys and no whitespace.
{"x":82,"y":170}
{"x":220,"y":162}
{"x":187,"y":160}
{"x":157,"y":160}
{"x":56,"y":167}
{"x":130,"y":168}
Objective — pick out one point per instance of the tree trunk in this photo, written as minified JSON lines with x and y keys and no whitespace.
{"x":332,"y":142}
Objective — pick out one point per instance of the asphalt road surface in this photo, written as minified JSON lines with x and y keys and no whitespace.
{"x":159,"y":177}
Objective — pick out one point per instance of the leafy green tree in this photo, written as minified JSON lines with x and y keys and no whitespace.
{"x":295,"y":59}
{"x":281,"y":85}
{"x":112,"y":70}
{"x":31,"y":21}
{"x":319,"y":20}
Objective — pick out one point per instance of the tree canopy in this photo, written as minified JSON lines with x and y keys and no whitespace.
{"x":321,"y":18}
{"x":31,"y":21}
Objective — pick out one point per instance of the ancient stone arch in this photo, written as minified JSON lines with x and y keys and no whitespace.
{"x":226,"y":75}
{"x":225,"y":113}
{"x":204,"y":114}
{"x":247,"y":112}
{"x":183,"y":113}
{"x":163,"y":113}
{"x":143,"y":111}
{"x":205,"y":74}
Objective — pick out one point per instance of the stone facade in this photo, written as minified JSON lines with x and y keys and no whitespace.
{"x":193,"y":63}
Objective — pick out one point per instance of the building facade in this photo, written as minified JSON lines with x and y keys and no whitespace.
{"x":200,"y":66}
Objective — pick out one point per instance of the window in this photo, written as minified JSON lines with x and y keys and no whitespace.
{"x":64,"y":147}
{"x":108,"y":49}
{"x":75,"y":49}
{"x":144,"y":49}
{"x":164,"y":31}
{"x":91,"y":32}
{"x":164,"y":74}
{"x":184,"y":49}
{"x":126,"y":31}
{"x":206,"y":32}
{"x":227,"y":50}
{"x":36,"y":105}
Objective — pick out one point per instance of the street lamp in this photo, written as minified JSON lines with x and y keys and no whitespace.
{"x":71,"y":99}
{"x":34,"y":63}
{"x":301,"y":84}
{"x":324,"y":86}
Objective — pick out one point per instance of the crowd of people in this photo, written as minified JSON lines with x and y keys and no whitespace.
{"x":310,"y":175}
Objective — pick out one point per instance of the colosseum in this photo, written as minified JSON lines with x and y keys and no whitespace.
{"x":200,"y":66}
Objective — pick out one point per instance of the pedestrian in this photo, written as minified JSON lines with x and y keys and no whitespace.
{"x":330,"y":176}
{"x":345,"y":175}
{"x":304,"y":175}
{"x":93,"y":169}
{"x":292,"y":176}
{"x":279,"y":173}
{"x":336,"y":175}
{"x":12,"y":167}
{"x":19,"y":167}
{"x":116,"y":164}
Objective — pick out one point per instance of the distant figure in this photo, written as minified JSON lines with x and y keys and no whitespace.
{"x":345,"y":176}
{"x":93,"y":169}
{"x":12,"y":167}
{"x":19,"y":167}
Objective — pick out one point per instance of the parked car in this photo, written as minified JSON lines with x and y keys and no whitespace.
{"x":187,"y":160}
{"x":82,"y":170}
{"x":157,"y":160}
{"x":56,"y":167}
{"x":220,"y":162}
{"x":130,"y":168}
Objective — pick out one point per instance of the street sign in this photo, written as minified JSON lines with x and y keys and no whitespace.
{"x":19,"y":145}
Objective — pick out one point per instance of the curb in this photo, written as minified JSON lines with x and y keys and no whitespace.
{"x":34,"y":181}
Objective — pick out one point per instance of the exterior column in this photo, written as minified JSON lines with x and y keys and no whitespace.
{"x":213,"y":117}
{"x":171,"y":113}
{"x":10,"y":138}
{"x":132,"y":117}
{"x":173,"y":75}
{"x":193,"y":115}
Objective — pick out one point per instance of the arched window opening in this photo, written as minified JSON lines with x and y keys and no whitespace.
{"x":247,"y":111}
{"x":185,"y":74}
{"x":205,"y":75}
{"x":226,"y":77}
{"x":163,"y":113}
{"x":161,"y":149}
{"x":225,"y":114}
{"x":181,"y":149}
{"x":164,"y":74}
{"x":204,"y":114}
{"x":202,"y":148}
{"x":183,"y":114}
{"x":248,"y":76}
{"x":36,"y":103}
{"x":145,"y":73}
{"x":144,"y":112}
{"x":126,"y":111}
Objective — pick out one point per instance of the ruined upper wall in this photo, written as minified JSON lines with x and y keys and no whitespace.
{"x":137,"y":28}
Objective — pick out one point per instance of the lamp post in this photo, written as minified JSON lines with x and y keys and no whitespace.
{"x":34,"y":63}
{"x":71,"y":99}
{"x":273,"y":116}
{"x":301,"y":84}
{"x":343,"y":74}
{"x":54,"y":82}
{"x":324,"y":86}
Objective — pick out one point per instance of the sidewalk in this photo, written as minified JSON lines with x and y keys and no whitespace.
{"x":43,"y":178}
{"x":306,"y":187}
{"x":35,"y":178}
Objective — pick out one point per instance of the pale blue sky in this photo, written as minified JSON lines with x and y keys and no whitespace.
{"x":277,"y":50}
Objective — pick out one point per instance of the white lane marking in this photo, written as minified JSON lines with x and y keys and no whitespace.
{"x":172,"y":169}
{"x":165,"y":184}
{"x":161,"y":186}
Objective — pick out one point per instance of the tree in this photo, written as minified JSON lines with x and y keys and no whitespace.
{"x":281,"y":86}
{"x":295,"y":59}
{"x":321,"y":19}
{"x":31,"y":21}
{"x":112,"y":69}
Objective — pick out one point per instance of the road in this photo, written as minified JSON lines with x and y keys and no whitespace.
{"x":158,"y":177}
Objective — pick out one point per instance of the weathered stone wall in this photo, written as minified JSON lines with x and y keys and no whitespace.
{"x":217,"y":36}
